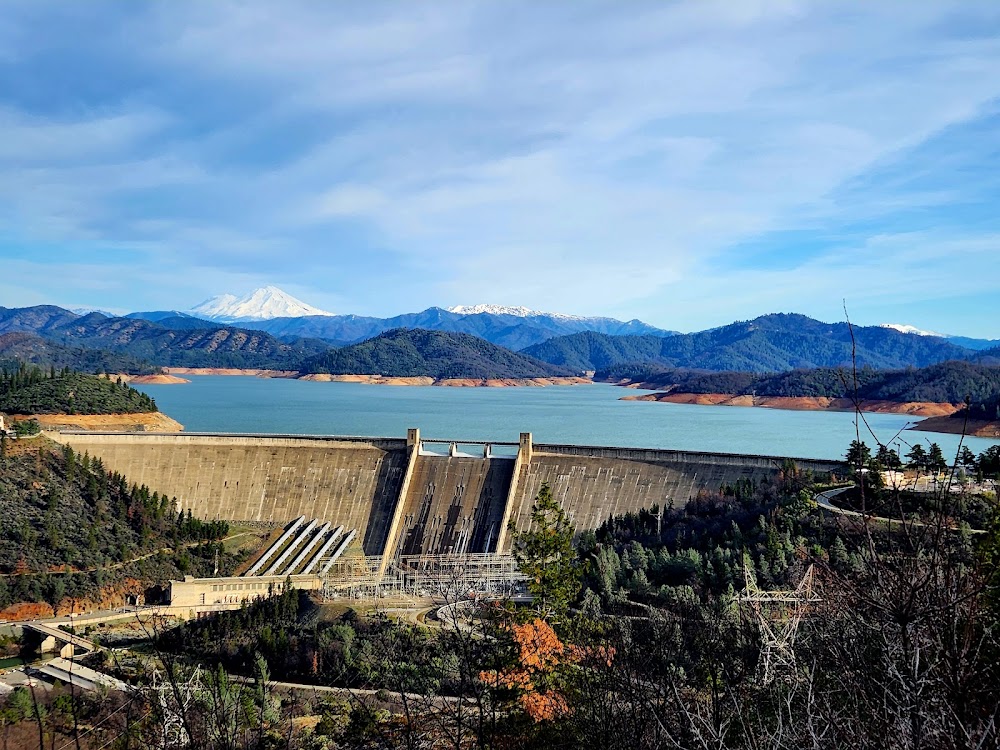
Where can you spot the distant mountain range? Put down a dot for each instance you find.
(151, 342)
(271, 310)
(771, 343)
(274, 311)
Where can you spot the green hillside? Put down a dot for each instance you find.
(771, 343)
(947, 382)
(63, 511)
(33, 391)
(32, 349)
(422, 353)
(199, 346)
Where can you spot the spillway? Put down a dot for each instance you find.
(454, 504)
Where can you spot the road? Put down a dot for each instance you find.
(123, 563)
(824, 501)
(391, 696)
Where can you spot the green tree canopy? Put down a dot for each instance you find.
(545, 554)
(917, 457)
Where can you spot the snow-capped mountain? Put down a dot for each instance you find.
(88, 310)
(967, 342)
(903, 328)
(261, 304)
(517, 312)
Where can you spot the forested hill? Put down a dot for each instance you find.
(988, 356)
(771, 343)
(215, 346)
(34, 391)
(946, 382)
(422, 353)
(63, 512)
(32, 349)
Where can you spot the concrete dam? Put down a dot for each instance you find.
(414, 496)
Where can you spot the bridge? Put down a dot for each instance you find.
(52, 636)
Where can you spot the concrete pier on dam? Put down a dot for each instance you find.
(413, 496)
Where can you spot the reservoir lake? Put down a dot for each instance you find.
(579, 415)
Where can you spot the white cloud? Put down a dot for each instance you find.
(34, 139)
(349, 200)
(557, 155)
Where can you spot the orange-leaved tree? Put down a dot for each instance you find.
(534, 679)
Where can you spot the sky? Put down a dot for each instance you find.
(685, 163)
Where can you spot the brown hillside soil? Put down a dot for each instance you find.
(145, 422)
(510, 382)
(802, 403)
(916, 408)
(148, 379)
(26, 611)
(975, 427)
(110, 597)
(230, 371)
(445, 382)
(366, 379)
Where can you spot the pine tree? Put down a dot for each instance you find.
(544, 553)
(917, 457)
(935, 459)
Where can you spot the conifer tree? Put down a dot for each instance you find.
(545, 554)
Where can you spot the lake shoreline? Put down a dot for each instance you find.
(921, 409)
(446, 382)
(957, 426)
(383, 380)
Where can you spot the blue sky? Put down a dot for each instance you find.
(686, 163)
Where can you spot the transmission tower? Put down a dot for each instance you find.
(778, 615)
(175, 697)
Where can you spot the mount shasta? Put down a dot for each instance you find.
(276, 312)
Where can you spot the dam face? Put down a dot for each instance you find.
(455, 504)
(404, 499)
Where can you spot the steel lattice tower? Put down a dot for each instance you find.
(778, 614)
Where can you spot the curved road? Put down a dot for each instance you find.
(823, 500)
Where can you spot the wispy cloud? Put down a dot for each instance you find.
(585, 157)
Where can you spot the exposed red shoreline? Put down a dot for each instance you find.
(803, 403)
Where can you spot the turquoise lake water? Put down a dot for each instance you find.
(580, 415)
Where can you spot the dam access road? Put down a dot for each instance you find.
(414, 496)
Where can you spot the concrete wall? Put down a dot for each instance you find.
(594, 483)
(194, 592)
(350, 482)
(450, 503)
(454, 504)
